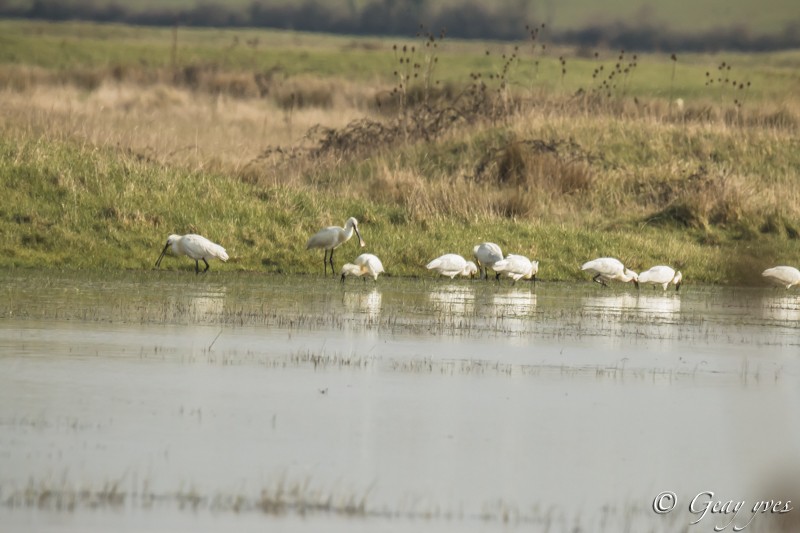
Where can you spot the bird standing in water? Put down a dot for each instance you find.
(364, 265)
(194, 246)
(331, 237)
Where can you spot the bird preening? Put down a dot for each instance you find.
(330, 238)
(194, 246)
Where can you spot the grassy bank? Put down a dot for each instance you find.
(558, 167)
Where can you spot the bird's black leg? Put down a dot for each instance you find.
(325, 262)
(333, 270)
(196, 267)
(207, 265)
(496, 276)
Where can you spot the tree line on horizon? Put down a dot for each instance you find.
(469, 20)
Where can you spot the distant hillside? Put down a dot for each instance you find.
(634, 24)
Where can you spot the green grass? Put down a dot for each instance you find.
(71, 46)
(767, 16)
(94, 178)
(682, 15)
(84, 208)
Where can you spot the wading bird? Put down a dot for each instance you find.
(517, 267)
(195, 246)
(486, 255)
(364, 265)
(662, 275)
(331, 237)
(608, 269)
(785, 276)
(452, 265)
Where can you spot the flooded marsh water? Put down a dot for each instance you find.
(165, 401)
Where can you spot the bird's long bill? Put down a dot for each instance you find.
(678, 286)
(163, 253)
(360, 240)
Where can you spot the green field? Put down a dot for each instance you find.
(110, 142)
(680, 16)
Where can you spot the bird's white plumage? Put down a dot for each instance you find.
(194, 246)
(785, 276)
(517, 267)
(661, 275)
(364, 265)
(486, 255)
(609, 269)
(452, 265)
(333, 236)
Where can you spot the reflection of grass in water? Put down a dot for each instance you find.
(302, 498)
(322, 360)
(617, 371)
(620, 370)
(305, 304)
(282, 497)
(566, 323)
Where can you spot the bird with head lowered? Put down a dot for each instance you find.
(195, 247)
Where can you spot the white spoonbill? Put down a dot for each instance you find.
(452, 265)
(331, 237)
(608, 269)
(517, 267)
(662, 275)
(486, 255)
(785, 276)
(364, 265)
(195, 246)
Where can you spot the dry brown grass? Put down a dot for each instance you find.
(166, 124)
(569, 158)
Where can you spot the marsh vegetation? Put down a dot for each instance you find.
(258, 138)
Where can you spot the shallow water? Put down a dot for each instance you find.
(166, 401)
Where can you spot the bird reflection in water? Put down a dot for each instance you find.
(366, 303)
(453, 300)
(657, 306)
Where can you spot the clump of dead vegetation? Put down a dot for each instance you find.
(706, 199)
(556, 166)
